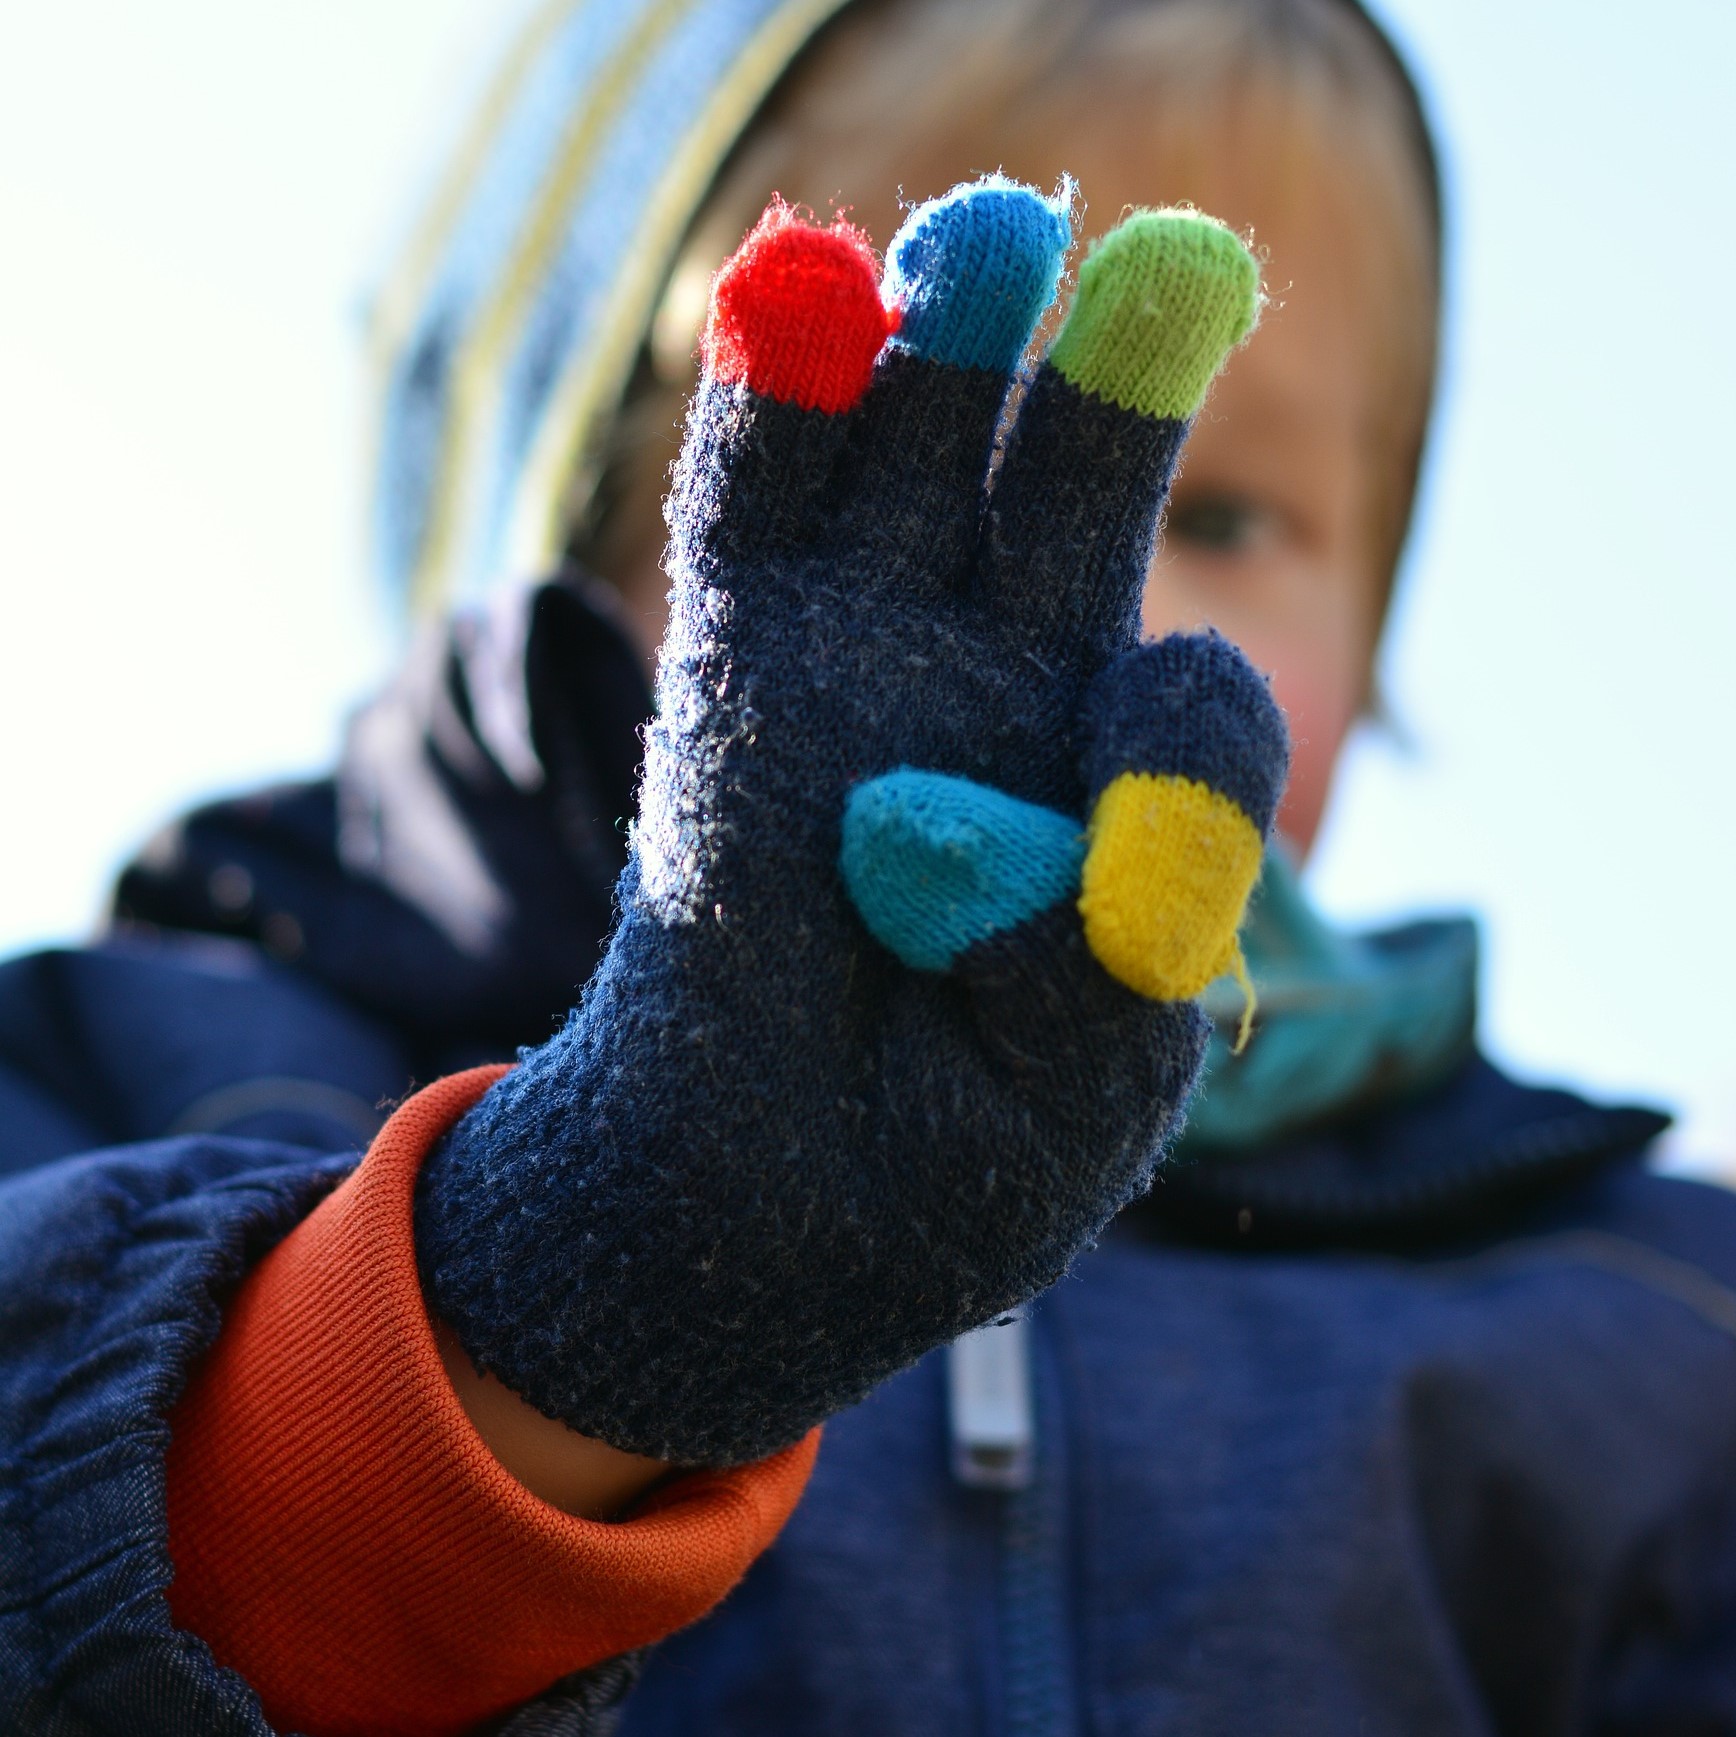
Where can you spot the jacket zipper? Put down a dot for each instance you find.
(1007, 1443)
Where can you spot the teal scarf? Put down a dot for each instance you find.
(1344, 1021)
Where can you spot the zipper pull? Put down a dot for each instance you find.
(988, 1390)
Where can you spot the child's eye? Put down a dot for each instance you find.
(1224, 524)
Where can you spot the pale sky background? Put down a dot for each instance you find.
(195, 198)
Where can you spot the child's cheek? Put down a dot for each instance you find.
(1320, 711)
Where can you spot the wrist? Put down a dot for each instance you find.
(575, 1473)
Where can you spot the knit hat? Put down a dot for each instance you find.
(509, 328)
(508, 331)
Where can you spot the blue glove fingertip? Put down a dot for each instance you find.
(973, 271)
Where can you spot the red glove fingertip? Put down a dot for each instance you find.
(796, 313)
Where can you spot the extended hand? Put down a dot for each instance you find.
(931, 855)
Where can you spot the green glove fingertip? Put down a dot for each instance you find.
(1163, 299)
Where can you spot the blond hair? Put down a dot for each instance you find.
(895, 87)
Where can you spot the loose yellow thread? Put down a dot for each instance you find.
(1250, 1001)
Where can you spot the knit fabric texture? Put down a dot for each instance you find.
(766, 1162)
(1182, 748)
(1160, 302)
(795, 313)
(1179, 769)
(935, 864)
(973, 272)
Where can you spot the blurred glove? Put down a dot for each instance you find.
(932, 855)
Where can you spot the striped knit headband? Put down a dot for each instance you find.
(506, 335)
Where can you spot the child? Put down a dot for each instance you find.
(1459, 1462)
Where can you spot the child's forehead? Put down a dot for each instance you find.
(1256, 152)
(1319, 224)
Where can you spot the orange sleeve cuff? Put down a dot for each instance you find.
(342, 1537)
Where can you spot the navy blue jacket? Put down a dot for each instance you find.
(1422, 1423)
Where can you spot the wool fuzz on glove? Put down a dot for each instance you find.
(931, 857)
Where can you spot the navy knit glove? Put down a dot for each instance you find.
(931, 855)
